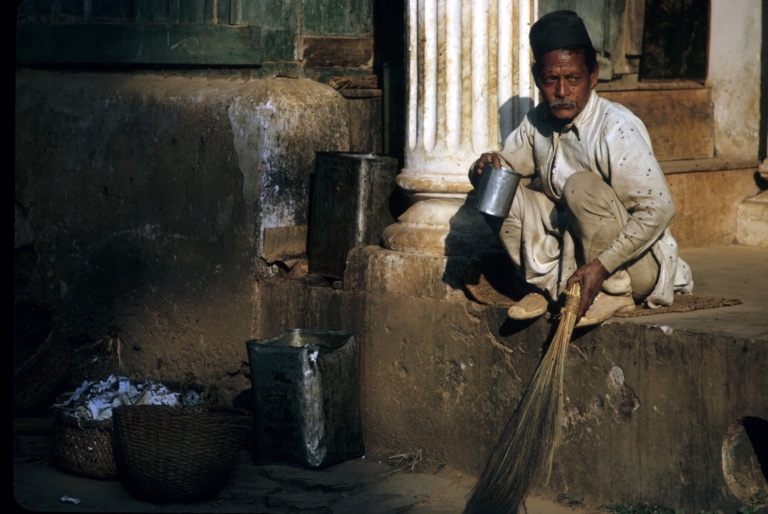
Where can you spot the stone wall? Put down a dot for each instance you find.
(142, 200)
(707, 205)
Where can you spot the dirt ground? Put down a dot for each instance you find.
(359, 486)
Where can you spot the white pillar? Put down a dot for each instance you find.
(469, 85)
(734, 76)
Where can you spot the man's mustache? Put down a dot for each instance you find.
(554, 104)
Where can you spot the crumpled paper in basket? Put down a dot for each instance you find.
(95, 400)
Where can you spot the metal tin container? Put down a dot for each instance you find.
(349, 207)
(496, 190)
(306, 398)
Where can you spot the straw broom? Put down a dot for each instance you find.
(524, 452)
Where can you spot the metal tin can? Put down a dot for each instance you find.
(306, 398)
(496, 190)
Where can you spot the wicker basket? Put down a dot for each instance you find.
(84, 447)
(177, 453)
(37, 379)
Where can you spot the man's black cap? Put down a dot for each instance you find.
(559, 29)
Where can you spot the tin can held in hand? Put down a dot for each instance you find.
(496, 190)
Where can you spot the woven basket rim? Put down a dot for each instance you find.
(190, 410)
(61, 415)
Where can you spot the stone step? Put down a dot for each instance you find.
(752, 221)
(657, 408)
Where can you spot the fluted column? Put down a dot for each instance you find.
(469, 85)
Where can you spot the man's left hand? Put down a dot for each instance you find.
(591, 277)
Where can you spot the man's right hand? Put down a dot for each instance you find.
(486, 158)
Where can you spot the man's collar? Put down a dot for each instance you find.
(579, 121)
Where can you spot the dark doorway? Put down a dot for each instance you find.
(675, 40)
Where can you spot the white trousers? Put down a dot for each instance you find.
(547, 244)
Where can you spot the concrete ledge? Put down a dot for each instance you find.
(649, 401)
(646, 412)
(752, 221)
(377, 270)
(696, 165)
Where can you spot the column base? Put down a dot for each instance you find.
(441, 226)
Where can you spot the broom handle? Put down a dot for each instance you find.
(564, 331)
(572, 299)
(526, 448)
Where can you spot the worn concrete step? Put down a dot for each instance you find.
(752, 221)
(657, 408)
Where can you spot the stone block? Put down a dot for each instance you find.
(337, 17)
(707, 204)
(139, 43)
(752, 221)
(337, 52)
(679, 121)
(279, 44)
(281, 243)
(375, 269)
(349, 207)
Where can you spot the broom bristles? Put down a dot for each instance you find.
(525, 449)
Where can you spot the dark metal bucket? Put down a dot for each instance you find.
(306, 398)
(496, 190)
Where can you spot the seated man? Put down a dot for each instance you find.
(598, 207)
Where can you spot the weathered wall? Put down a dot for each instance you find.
(431, 370)
(141, 201)
(707, 205)
(646, 410)
(734, 74)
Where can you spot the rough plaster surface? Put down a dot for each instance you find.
(752, 221)
(647, 409)
(734, 74)
(373, 269)
(276, 137)
(141, 199)
(707, 205)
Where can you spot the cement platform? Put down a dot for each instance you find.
(650, 400)
(734, 271)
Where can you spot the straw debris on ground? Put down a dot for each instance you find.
(405, 461)
(567, 499)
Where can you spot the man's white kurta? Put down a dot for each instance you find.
(607, 139)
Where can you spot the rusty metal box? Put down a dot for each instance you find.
(349, 207)
(306, 398)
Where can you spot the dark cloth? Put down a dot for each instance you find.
(559, 29)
